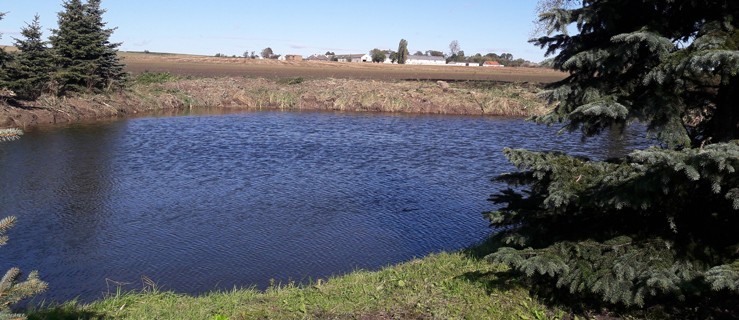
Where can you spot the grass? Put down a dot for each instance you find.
(148, 78)
(439, 286)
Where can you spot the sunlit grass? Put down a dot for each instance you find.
(440, 286)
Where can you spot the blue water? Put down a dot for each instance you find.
(202, 203)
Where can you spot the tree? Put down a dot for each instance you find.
(109, 67)
(30, 72)
(378, 56)
(434, 53)
(402, 51)
(85, 58)
(459, 57)
(267, 53)
(393, 56)
(418, 53)
(329, 53)
(660, 224)
(4, 59)
(454, 48)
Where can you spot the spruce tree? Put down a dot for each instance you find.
(661, 223)
(85, 58)
(70, 46)
(31, 69)
(4, 59)
(109, 67)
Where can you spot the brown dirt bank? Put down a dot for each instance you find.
(473, 98)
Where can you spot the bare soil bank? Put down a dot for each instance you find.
(423, 97)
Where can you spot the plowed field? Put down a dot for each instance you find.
(201, 66)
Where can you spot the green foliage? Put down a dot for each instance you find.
(378, 56)
(673, 66)
(4, 59)
(658, 222)
(402, 51)
(658, 226)
(30, 71)
(154, 77)
(85, 57)
(393, 57)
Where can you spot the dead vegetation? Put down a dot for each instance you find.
(500, 99)
(176, 94)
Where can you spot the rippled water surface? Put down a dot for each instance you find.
(201, 203)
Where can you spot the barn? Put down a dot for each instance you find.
(425, 60)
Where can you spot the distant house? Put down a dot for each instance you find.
(425, 60)
(293, 57)
(353, 58)
(492, 64)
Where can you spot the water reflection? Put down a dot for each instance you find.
(209, 202)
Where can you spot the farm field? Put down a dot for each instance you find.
(203, 66)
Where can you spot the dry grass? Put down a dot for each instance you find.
(9, 48)
(349, 95)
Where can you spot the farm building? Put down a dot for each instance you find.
(353, 58)
(293, 57)
(492, 64)
(425, 60)
(464, 64)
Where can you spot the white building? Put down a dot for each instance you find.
(464, 64)
(426, 60)
(353, 58)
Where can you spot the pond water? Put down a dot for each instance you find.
(202, 203)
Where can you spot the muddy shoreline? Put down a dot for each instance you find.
(232, 93)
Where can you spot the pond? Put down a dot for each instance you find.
(213, 202)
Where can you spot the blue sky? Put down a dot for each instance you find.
(301, 27)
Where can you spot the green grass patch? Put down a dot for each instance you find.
(444, 286)
(154, 77)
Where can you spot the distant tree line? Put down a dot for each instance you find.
(456, 54)
(78, 56)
